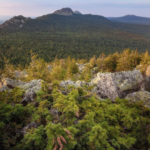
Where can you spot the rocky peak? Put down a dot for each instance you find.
(64, 11)
(17, 21)
(77, 12)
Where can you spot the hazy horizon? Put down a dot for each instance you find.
(107, 8)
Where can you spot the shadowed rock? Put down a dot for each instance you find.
(29, 98)
(139, 96)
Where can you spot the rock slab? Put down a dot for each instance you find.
(119, 84)
(143, 96)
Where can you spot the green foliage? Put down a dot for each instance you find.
(83, 121)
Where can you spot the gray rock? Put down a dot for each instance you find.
(29, 126)
(147, 83)
(4, 88)
(81, 67)
(20, 74)
(10, 83)
(66, 83)
(34, 85)
(70, 82)
(54, 112)
(29, 98)
(49, 67)
(119, 84)
(143, 96)
(80, 83)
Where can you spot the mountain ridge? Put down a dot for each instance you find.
(131, 19)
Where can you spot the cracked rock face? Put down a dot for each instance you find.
(113, 85)
(143, 96)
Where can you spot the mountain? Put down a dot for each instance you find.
(131, 19)
(64, 11)
(15, 22)
(77, 12)
(78, 36)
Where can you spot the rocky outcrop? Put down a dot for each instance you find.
(10, 83)
(15, 22)
(20, 74)
(4, 88)
(64, 11)
(29, 98)
(66, 83)
(49, 67)
(139, 96)
(29, 126)
(78, 83)
(77, 12)
(119, 84)
(32, 86)
(81, 67)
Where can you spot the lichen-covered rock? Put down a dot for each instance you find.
(29, 126)
(80, 83)
(20, 74)
(32, 86)
(148, 71)
(147, 83)
(10, 83)
(4, 88)
(94, 81)
(81, 67)
(119, 84)
(49, 67)
(29, 97)
(66, 83)
(143, 96)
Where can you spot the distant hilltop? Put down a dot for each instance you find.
(17, 21)
(66, 12)
(131, 19)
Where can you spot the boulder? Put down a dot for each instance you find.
(32, 86)
(4, 88)
(20, 74)
(143, 96)
(148, 71)
(49, 67)
(29, 98)
(119, 84)
(80, 83)
(66, 83)
(10, 83)
(29, 126)
(54, 112)
(147, 83)
(70, 82)
(81, 67)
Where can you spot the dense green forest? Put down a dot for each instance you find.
(78, 36)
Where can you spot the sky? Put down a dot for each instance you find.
(107, 8)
